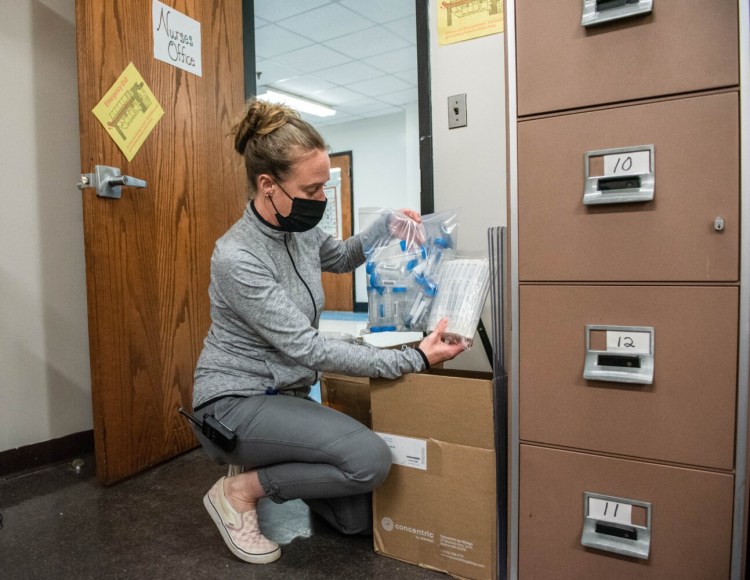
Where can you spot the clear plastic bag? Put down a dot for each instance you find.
(403, 259)
(463, 284)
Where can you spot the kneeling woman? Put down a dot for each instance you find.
(263, 350)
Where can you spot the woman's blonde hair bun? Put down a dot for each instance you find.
(260, 118)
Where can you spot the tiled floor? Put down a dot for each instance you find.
(59, 524)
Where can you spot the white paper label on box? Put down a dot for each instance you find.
(628, 341)
(631, 163)
(610, 511)
(177, 38)
(407, 451)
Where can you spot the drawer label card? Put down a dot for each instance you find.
(628, 341)
(610, 511)
(406, 451)
(630, 163)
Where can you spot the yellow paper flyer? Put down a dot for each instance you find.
(129, 111)
(466, 19)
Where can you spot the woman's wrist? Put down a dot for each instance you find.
(424, 357)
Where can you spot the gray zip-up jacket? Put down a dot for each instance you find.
(266, 298)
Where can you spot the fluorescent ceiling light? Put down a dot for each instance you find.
(298, 103)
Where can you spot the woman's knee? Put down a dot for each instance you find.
(370, 460)
(382, 463)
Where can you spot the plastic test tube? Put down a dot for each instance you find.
(373, 308)
(398, 294)
(386, 309)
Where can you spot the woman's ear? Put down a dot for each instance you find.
(265, 183)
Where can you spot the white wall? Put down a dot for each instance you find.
(469, 162)
(385, 166)
(45, 390)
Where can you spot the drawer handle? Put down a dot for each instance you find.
(623, 175)
(606, 529)
(616, 530)
(597, 12)
(617, 360)
(628, 358)
(608, 184)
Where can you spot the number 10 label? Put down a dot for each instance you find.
(631, 163)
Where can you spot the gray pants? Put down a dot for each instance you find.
(303, 450)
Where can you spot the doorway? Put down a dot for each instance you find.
(370, 62)
(339, 288)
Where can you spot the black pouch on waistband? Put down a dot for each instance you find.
(214, 430)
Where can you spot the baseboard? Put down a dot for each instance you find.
(46, 453)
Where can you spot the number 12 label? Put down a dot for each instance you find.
(630, 342)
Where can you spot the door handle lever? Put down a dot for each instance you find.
(127, 181)
(109, 181)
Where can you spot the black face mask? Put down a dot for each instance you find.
(305, 214)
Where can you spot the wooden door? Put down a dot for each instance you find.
(147, 254)
(339, 288)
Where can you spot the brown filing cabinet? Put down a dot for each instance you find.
(691, 516)
(681, 46)
(629, 284)
(694, 165)
(680, 416)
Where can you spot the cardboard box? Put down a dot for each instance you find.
(349, 395)
(438, 507)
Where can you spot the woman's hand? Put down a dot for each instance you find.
(406, 224)
(435, 349)
(410, 213)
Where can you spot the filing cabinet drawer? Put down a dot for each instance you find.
(686, 415)
(681, 46)
(691, 148)
(691, 517)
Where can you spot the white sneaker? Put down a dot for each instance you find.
(239, 530)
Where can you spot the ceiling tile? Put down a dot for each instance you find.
(379, 86)
(401, 97)
(336, 96)
(365, 106)
(273, 10)
(357, 55)
(312, 58)
(375, 40)
(381, 10)
(271, 72)
(271, 41)
(351, 72)
(327, 22)
(386, 110)
(394, 61)
(406, 28)
(337, 119)
(303, 85)
(410, 76)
